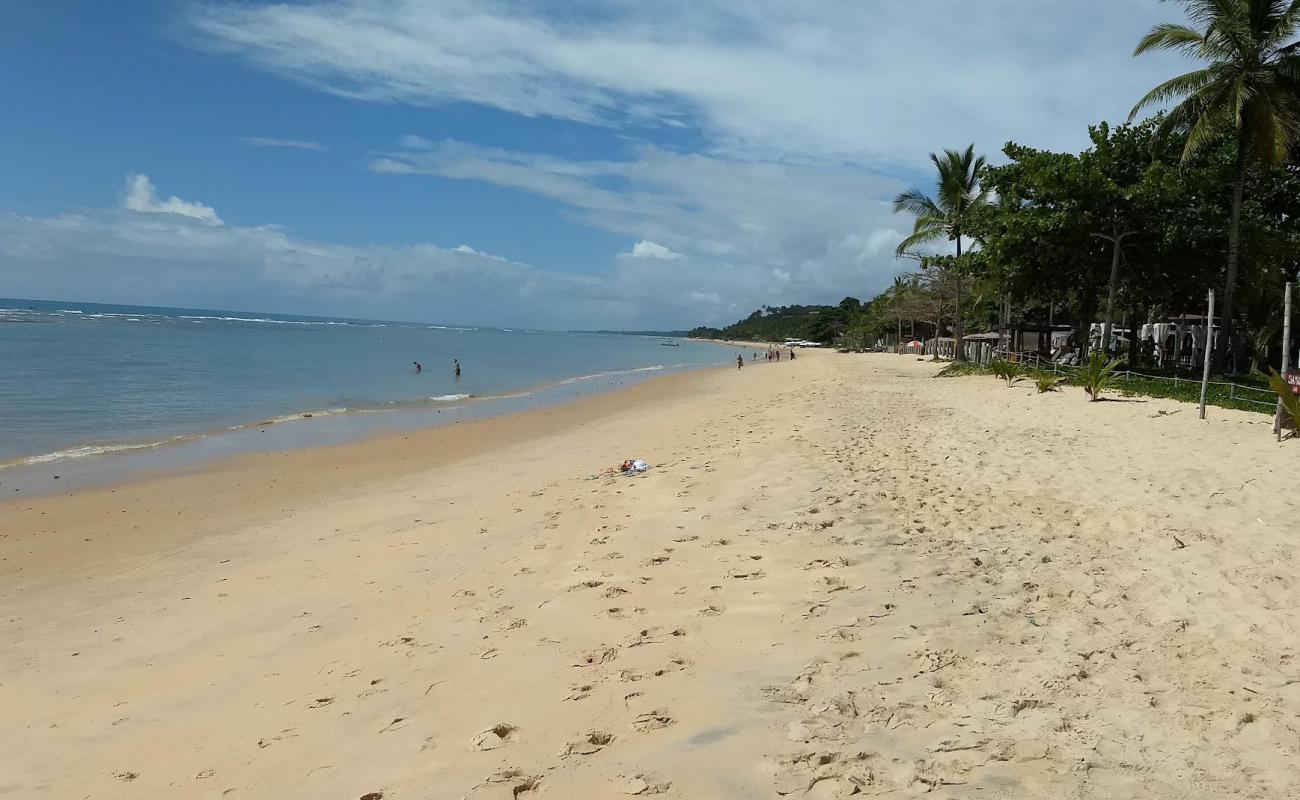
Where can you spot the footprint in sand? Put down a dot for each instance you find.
(494, 737)
(838, 562)
(580, 691)
(823, 775)
(712, 611)
(641, 785)
(652, 636)
(651, 720)
(588, 745)
(517, 782)
(591, 658)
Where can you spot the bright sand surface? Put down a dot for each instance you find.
(840, 576)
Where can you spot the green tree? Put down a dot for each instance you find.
(958, 195)
(1249, 87)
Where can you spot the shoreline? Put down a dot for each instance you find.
(126, 462)
(250, 479)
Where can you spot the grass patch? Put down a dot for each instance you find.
(958, 369)
(1186, 390)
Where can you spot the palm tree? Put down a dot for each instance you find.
(958, 194)
(1250, 88)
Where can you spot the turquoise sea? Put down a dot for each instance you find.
(81, 380)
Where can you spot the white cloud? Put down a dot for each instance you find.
(648, 249)
(143, 197)
(779, 233)
(293, 144)
(876, 83)
(135, 254)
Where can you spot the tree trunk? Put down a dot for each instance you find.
(958, 352)
(1087, 308)
(1110, 298)
(1134, 348)
(1234, 247)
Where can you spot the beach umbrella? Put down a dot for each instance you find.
(914, 343)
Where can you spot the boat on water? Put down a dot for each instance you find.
(671, 344)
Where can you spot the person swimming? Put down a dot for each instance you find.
(418, 367)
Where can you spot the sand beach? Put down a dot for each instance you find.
(841, 576)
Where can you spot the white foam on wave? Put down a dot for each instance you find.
(610, 374)
(94, 450)
(266, 320)
(450, 398)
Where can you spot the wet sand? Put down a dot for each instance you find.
(840, 576)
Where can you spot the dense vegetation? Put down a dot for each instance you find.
(1134, 229)
(1140, 224)
(775, 324)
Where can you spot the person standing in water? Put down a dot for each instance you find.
(418, 367)
(740, 361)
(455, 362)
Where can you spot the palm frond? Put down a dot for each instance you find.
(920, 237)
(916, 202)
(1169, 36)
(1175, 87)
(1284, 27)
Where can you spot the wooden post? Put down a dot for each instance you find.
(1209, 348)
(1286, 355)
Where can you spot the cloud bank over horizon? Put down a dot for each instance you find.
(176, 252)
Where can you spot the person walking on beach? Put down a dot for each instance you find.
(740, 361)
(418, 367)
(792, 354)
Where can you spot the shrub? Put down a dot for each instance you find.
(1097, 375)
(1007, 371)
(959, 369)
(1049, 383)
(1290, 403)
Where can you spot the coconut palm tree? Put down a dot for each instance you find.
(946, 216)
(1250, 87)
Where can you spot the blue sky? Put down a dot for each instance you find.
(547, 164)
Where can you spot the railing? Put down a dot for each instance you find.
(1236, 392)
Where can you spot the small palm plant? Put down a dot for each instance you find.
(1049, 383)
(1290, 402)
(1007, 371)
(1097, 375)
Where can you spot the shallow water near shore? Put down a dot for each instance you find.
(93, 393)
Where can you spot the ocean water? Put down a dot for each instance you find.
(80, 380)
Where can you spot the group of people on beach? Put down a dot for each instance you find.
(455, 366)
(773, 354)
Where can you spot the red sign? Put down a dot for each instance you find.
(1293, 378)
